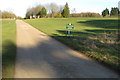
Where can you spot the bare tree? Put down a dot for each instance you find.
(47, 6)
(54, 9)
(61, 7)
(34, 11)
(37, 10)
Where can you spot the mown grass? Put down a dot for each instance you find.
(95, 37)
(8, 48)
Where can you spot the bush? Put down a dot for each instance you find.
(59, 15)
(85, 15)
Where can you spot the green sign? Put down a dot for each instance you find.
(69, 26)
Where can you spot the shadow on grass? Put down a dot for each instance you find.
(102, 44)
(51, 59)
(8, 58)
(107, 24)
(103, 52)
(101, 31)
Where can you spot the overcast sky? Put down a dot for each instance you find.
(19, 7)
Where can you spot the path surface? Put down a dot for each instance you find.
(40, 56)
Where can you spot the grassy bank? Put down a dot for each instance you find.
(0, 48)
(95, 37)
(8, 48)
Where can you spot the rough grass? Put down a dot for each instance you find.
(95, 37)
(8, 48)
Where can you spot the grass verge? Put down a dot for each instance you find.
(8, 48)
(95, 37)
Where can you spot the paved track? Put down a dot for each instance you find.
(40, 56)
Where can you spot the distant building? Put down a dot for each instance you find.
(30, 17)
(38, 16)
(34, 16)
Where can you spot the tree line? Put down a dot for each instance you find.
(114, 12)
(105, 13)
(49, 10)
(54, 11)
(7, 14)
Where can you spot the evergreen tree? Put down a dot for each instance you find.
(66, 12)
(105, 12)
(114, 12)
(43, 12)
